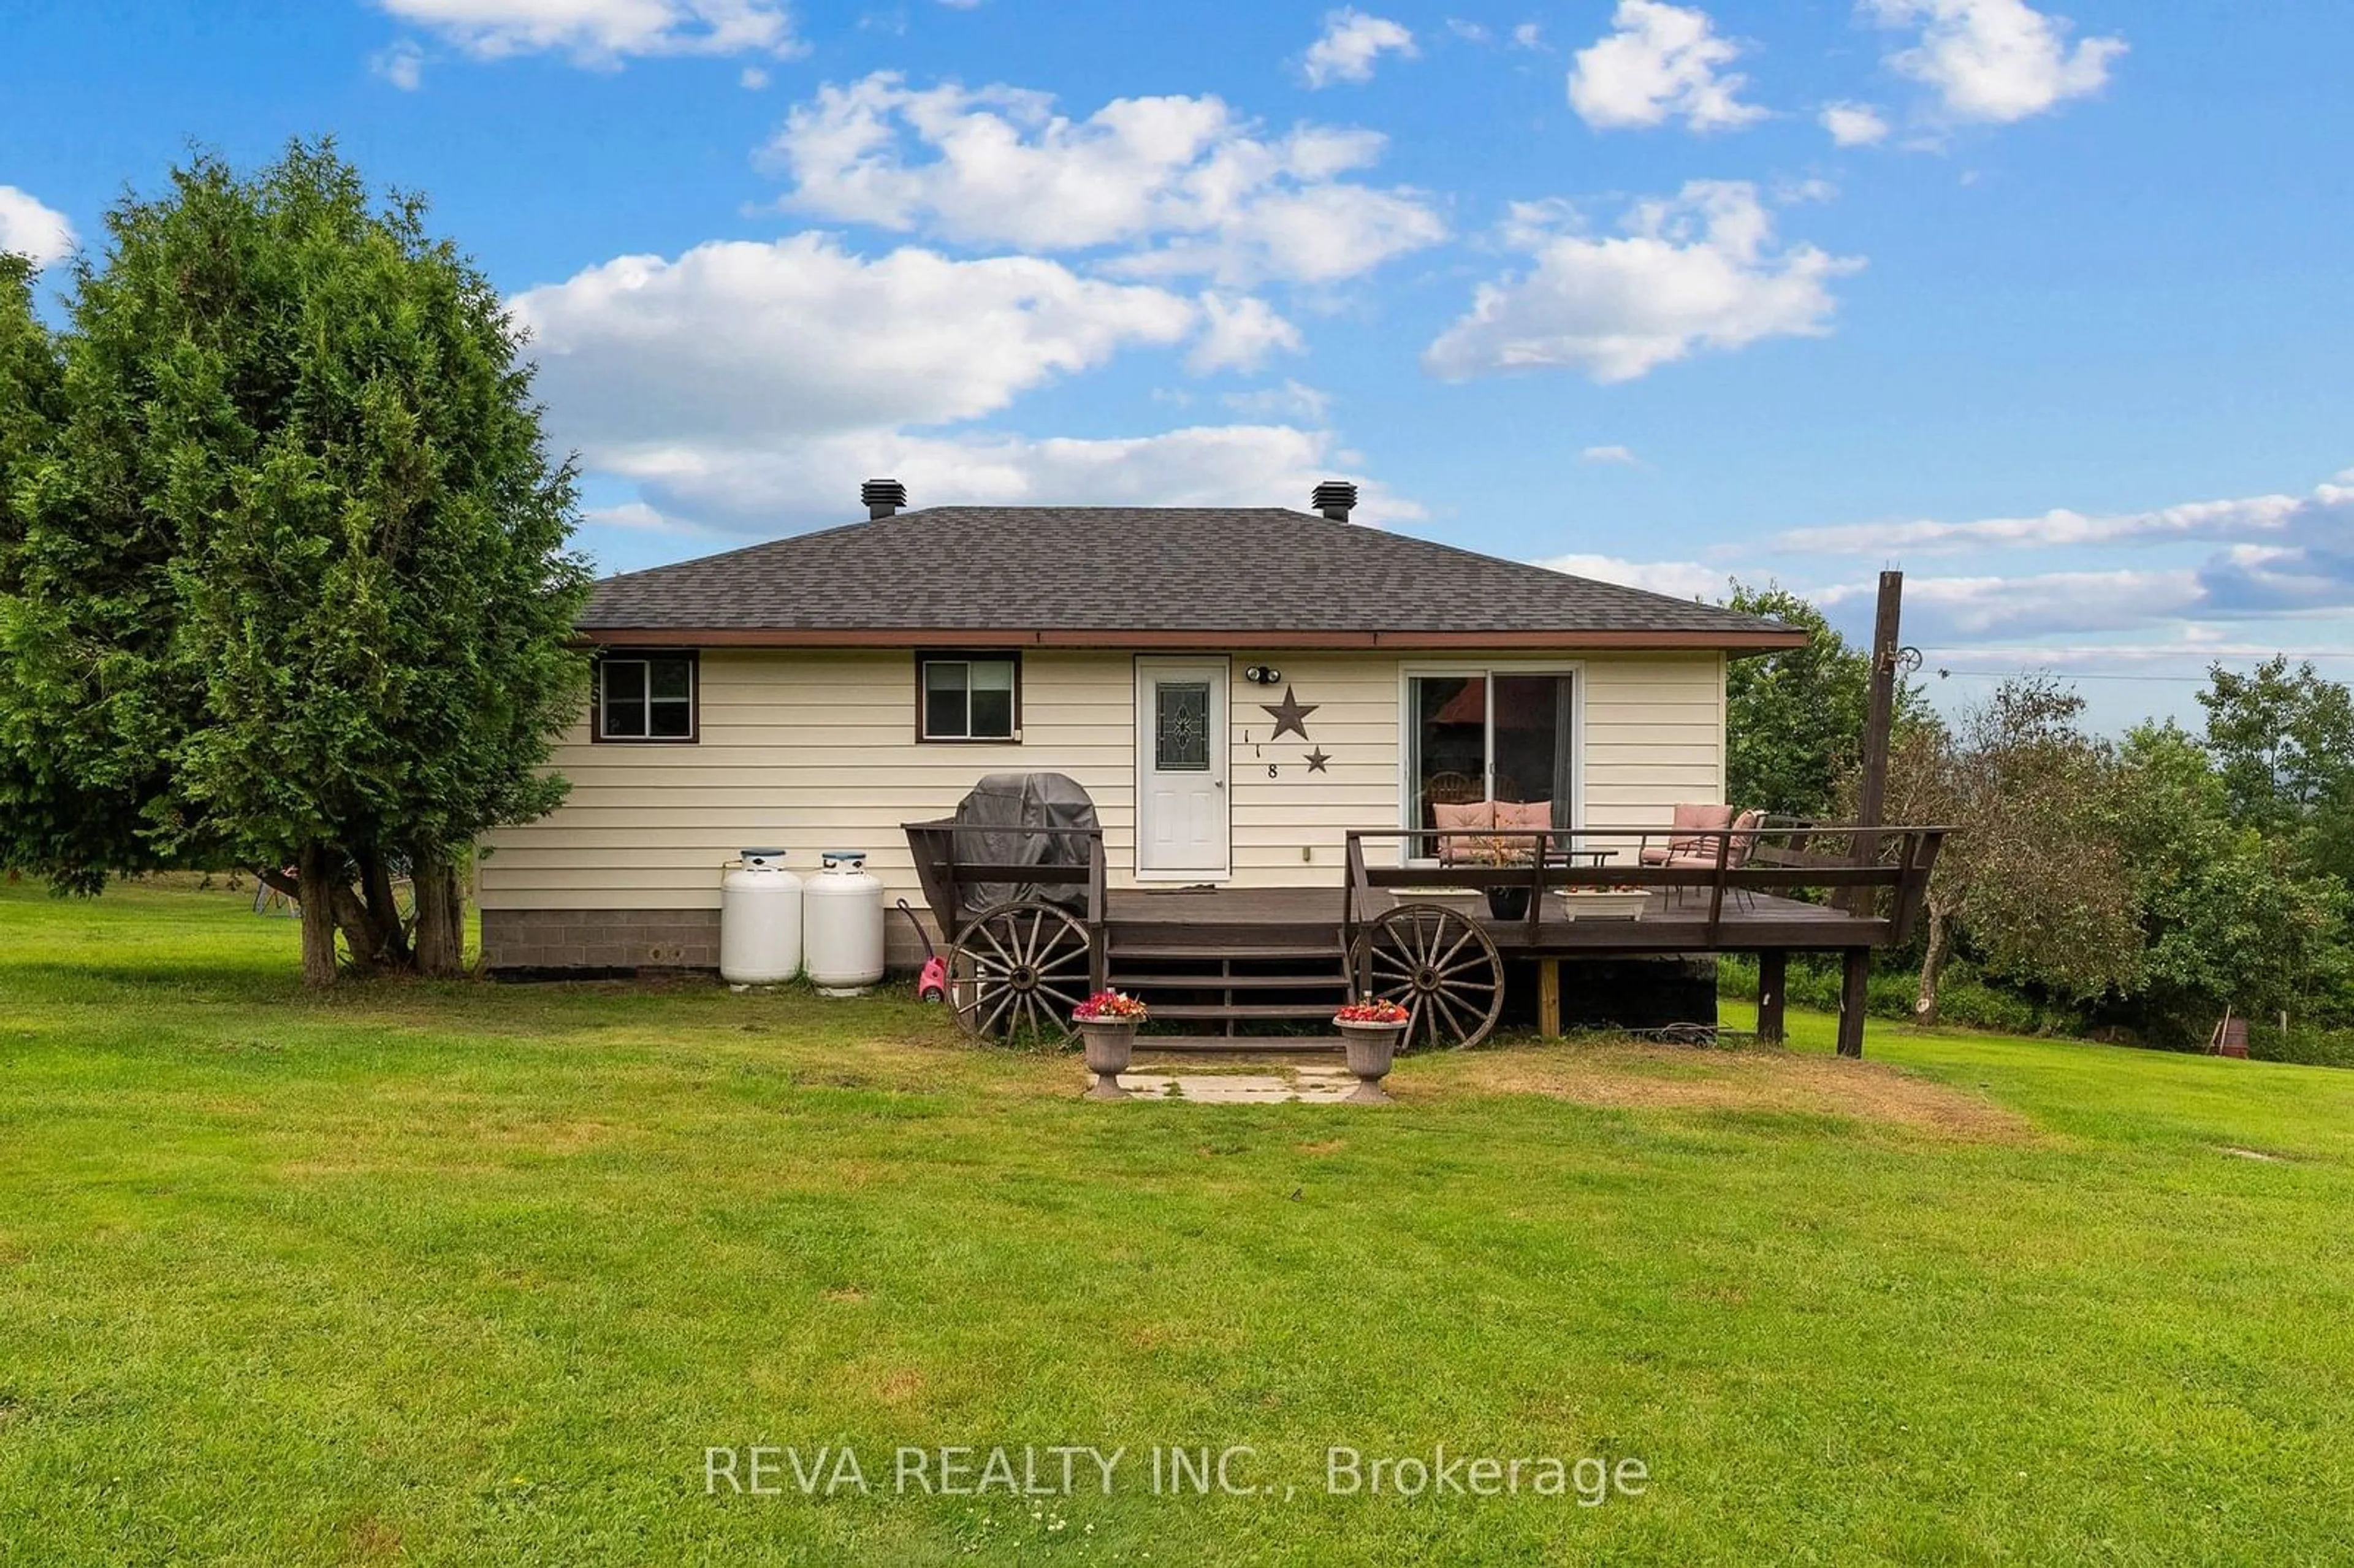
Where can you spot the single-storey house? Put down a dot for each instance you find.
(1235, 687)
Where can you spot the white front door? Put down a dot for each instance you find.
(1180, 768)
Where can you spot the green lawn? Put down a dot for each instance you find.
(475, 1274)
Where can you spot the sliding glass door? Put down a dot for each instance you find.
(1475, 735)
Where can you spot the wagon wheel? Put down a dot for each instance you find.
(1440, 966)
(1018, 968)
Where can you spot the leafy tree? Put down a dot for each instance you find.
(2284, 743)
(291, 581)
(1793, 719)
(2032, 879)
(65, 802)
(2229, 918)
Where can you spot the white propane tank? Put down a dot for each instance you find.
(760, 921)
(845, 925)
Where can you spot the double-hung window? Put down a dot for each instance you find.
(969, 696)
(646, 697)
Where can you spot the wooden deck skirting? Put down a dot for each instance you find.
(1719, 895)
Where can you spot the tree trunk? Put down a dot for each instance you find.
(1933, 962)
(388, 937)
(314, 889)
(441, 916)
(351, 916)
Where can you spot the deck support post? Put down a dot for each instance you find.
(1855, 983)
(1773, 976)
(1549, 998)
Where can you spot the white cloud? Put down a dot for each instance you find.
(2276, 556)
(1350, 43)
(752, 79)
(1614, 454)
(1239, 332)
(1974, 607)
(1995, 60)
(604, 32)
(29, 228)
(638, 517)
(745, 386)
(1180, 184)
(1528, 36)
(1663, 62)
(1678, 580)
(2257, 517)
(1853, 124)
(1700, 270)
(799, 337)
(1292, 400)
(2280, 572)
(751, 488)
(1469, 32)
(403, 65)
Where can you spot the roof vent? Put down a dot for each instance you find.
(883, 497)
(1336, 498)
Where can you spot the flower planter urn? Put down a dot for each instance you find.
(1371, 1048)
(1509, 903)
(1108, 1045)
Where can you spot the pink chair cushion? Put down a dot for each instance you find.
(1694, 827)
(1745, 837)
(1524, 814)
(1456, 846)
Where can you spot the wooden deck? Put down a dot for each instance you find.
(1674, 920)
(1046, 930)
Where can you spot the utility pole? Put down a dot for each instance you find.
(1871, 800)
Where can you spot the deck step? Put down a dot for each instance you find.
(1223, 941)
(1241, 1044)
(1129, 979)
(1212, 1011)
(1161, 952)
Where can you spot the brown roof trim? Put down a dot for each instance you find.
(1742, 641)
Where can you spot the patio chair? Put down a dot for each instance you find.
(1694, 841)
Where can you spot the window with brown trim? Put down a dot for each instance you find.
(969, 696)
(647, 697)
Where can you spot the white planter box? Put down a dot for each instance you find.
(1599, 904)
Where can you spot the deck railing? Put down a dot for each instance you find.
(1854, 862)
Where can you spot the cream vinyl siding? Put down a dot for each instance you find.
(812, 750)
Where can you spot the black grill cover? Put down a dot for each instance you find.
(1012, 807)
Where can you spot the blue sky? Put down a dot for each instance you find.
(2047, 304)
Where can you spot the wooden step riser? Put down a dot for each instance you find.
(1241, 1044)
(1226, 941)
(1150, 985)
(1241, 1011)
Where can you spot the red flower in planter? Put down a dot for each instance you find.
(1371, 1011)
(1110, 1007)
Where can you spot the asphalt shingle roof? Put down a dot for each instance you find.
(1077, 568)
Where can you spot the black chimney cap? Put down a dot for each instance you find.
(1336, 498)
(883, 497)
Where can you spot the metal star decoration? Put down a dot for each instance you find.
(1317, 760)
(1290, 715)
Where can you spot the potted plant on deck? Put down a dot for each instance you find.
(1509, 901)
(1108, 1022)
(1370, 1031)
(1615, 901)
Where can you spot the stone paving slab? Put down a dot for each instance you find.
(1310, 1085)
